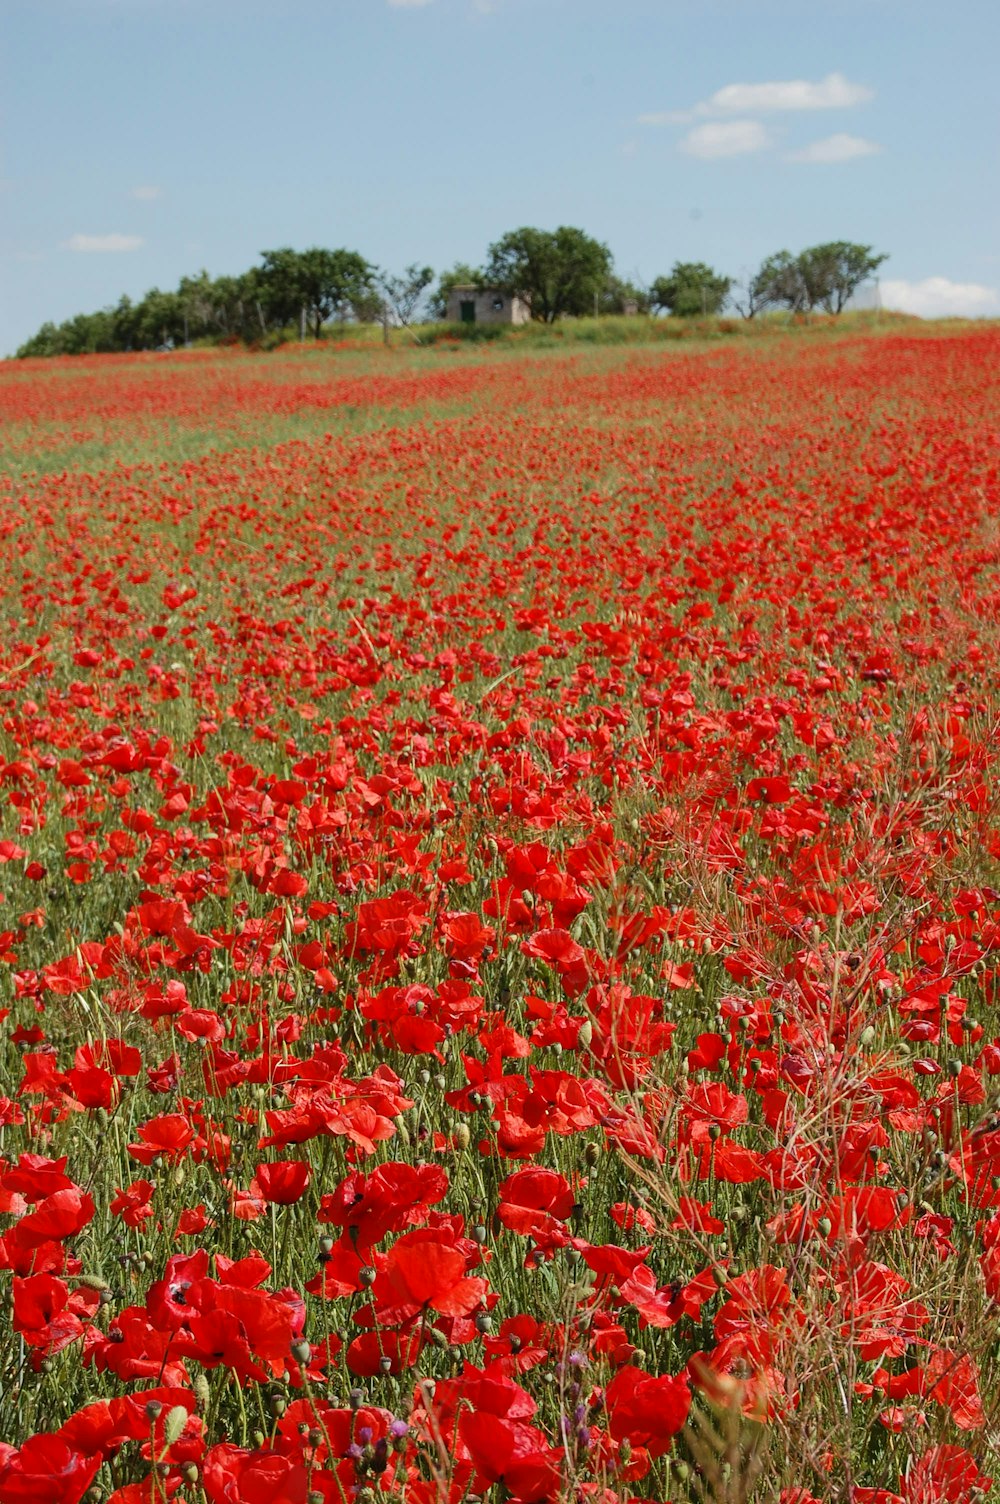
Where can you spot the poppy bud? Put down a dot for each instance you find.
(591, 1154)
(461, 1135)
(385, 1366)
(173, 1426)
(277, 1404)
(153, 1409)
(586, 1034)
(190, 1474)
(366, 1277)
(824, 1227)
(866, 1037)
(484, 1322)
(302, 1351)
(200, 1389)
(356, 1399)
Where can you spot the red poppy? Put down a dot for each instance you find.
(645, 1409)
(45, 1470)
(282, 1180)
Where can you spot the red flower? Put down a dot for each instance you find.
(45, 1471)
(512, 1453)
(424, 1269)
(647, 1410)
(283, 1180)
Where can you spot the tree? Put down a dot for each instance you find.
(778, 283)
(823, 276)
(691, 289)
(556, 272)
(321, 282)
(461, 275)
(618, 295)
(832, 273)
(403, 293)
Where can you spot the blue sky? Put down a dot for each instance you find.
(143, 139)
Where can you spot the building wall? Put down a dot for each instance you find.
(490, 307)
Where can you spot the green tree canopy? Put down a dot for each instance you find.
(833, 272)
(556, 272)
(618, 295)
(322, 282)
(691, 289)
(822, 276)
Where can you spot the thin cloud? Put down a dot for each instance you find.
(834, 92)
(104, 243)
(147, 193)
(939, 297)
(726, 138)
(838, 148)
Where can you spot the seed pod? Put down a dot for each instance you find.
(173, 1426)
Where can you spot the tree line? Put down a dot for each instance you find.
(558, 273)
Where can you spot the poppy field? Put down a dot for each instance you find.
(499, 925)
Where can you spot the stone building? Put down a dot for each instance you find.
(468, 304)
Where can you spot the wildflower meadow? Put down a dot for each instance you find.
(500, 872)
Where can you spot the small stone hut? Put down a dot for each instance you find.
(469, 304)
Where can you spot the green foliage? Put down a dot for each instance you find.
(619, 296)
(834, 271)
(556, 272)
(323, 283)
(691, 290)
(253, 307)
(822, 276)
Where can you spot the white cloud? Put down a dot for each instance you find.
(104, 242)
(838, 148)
(834, 92)
(939, 297)
(726, 138)
(147, 193)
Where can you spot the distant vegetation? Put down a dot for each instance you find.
(562, 273)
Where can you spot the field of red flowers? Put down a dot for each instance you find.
(500, 872)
